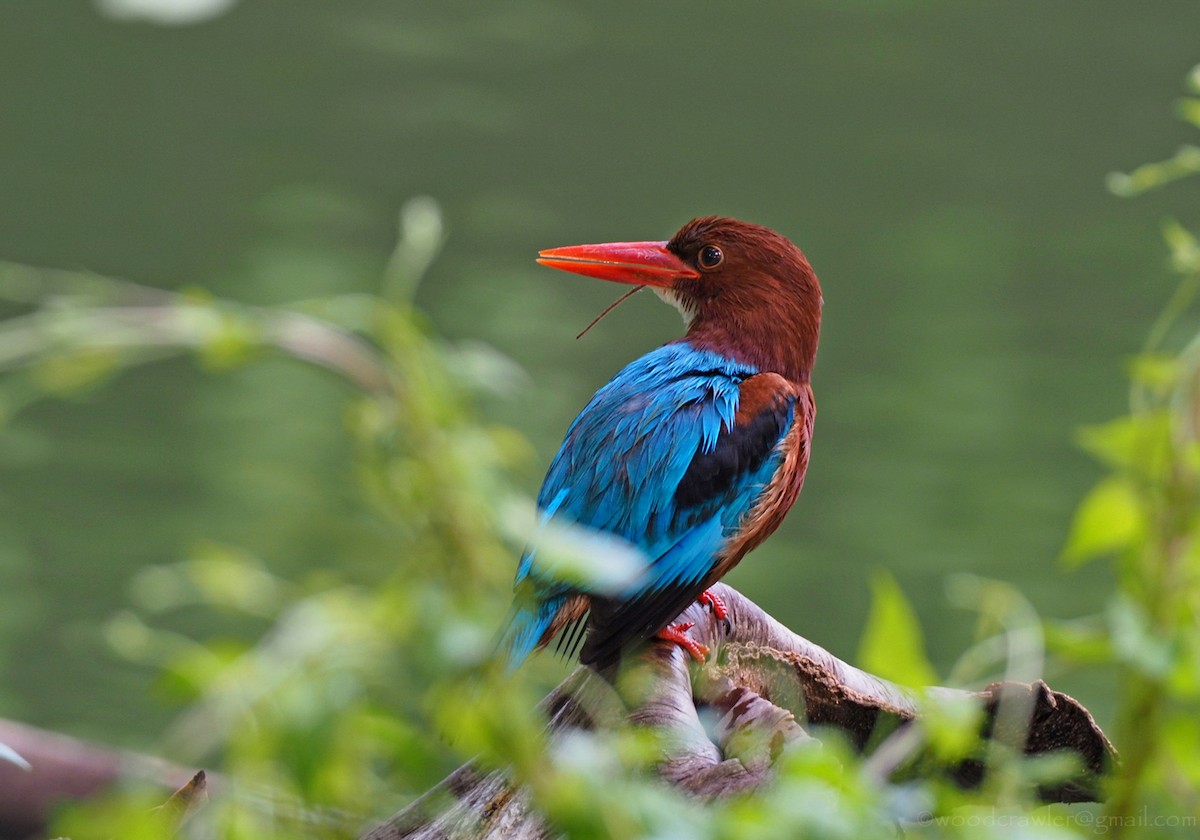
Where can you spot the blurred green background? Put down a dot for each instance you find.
(942, 164)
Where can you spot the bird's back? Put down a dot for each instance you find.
(657, 457)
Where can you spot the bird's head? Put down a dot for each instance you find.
(742, 289)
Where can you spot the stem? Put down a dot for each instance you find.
(83, 311)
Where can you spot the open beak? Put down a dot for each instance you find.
(636, 263)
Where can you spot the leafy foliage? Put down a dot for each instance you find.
(892, 646)
(1143, 519)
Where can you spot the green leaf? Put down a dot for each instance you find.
(225, 576)
(892, 645)
(1185, 252)
(1083, 641)
(1108, 519)
(1189, 109)
(1156, 371)
(593, 560)
(952, 725)
(1136, 641)
(76, 370)
(1140, 444)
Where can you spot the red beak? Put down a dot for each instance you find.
(636, 263)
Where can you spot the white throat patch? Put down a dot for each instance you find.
(668, 296)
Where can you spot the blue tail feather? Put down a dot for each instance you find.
(525, 629)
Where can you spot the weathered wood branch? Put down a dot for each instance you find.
(62, 768)
(769, 687)
(766, 686)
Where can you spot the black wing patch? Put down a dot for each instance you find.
(739, 450)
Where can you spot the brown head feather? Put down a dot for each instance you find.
(760, 304)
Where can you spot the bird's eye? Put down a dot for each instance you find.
(711, 256)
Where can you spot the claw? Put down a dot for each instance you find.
(677, 633)
(720, 612)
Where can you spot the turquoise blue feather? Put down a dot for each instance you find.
(619, 470)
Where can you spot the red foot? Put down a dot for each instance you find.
(720, 612)
(677, 633)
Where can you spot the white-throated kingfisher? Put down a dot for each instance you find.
(695, 451)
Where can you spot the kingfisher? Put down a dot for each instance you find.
(692, 453)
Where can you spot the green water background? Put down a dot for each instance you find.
(941, 163)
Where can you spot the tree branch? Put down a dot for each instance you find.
(63, 769)
(768, 686)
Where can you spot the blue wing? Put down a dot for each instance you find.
(662, 457)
